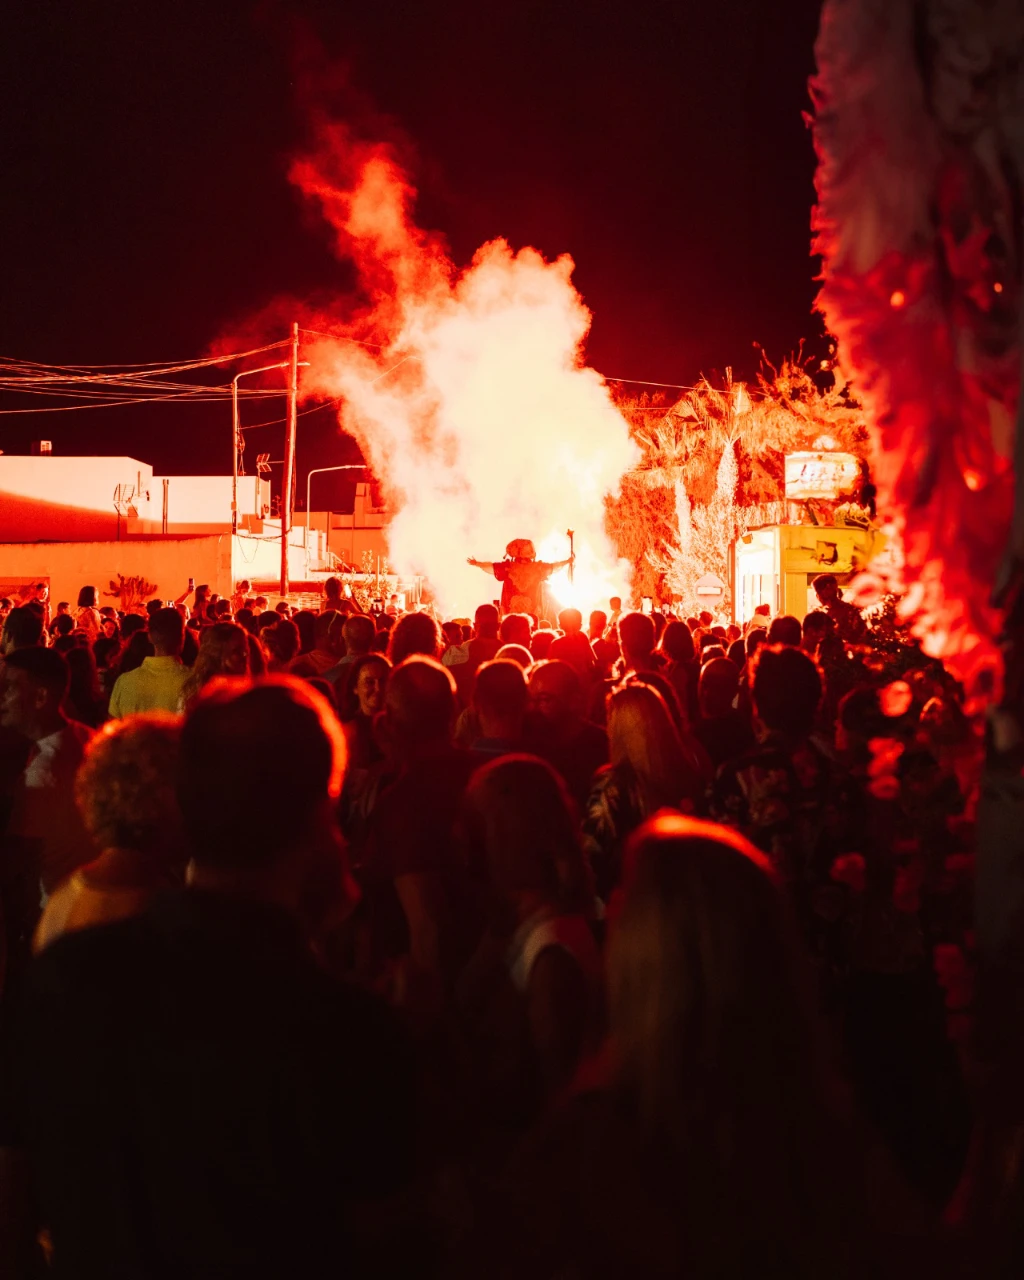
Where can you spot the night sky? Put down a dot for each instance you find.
(145, 209)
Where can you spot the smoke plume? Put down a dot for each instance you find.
(466, 389)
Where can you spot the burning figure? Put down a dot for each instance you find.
(522, 576)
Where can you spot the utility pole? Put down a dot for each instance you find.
(288, 481)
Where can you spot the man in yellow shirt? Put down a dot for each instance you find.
(156, 685)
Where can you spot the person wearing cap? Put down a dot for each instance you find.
(522, 576)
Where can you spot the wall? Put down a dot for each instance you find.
(259, 558)
(352, 534)
(167, 563)
(55, 497)
(206, 499)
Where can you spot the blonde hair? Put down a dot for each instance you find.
(642, 736)
(214, 645)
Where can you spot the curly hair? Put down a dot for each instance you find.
(125, 789)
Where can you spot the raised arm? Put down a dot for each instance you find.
(486, 565)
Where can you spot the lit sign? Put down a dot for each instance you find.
(820, 475)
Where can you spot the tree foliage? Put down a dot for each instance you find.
(713, 466)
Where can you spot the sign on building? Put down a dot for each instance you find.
(820, 475)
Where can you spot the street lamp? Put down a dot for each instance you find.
(236, 429)
(348, 466)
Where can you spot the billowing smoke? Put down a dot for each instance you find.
(474, 406)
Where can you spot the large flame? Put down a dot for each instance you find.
(477, 411)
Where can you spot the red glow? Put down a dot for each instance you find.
(477, 410)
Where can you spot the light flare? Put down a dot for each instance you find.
(478, 413)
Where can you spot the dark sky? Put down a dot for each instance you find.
(145, 209)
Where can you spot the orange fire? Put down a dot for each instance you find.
(475, 407)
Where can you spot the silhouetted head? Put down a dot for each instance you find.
(419, 703)
(636, 639)
(785, 630)
(414, 633)
(677, 642)
(719, 682)
(500, 699)
(485, 622)
(571, 621)
(243, 746)
(786, 689)
(515, 629)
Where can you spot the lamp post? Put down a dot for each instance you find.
(348, 466)
(235, 431)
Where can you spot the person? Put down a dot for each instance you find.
(723, 731)
(615, 608)
(241, 1102)
(484, 644)
(529, 1001)
(777, 793)
(62, 627)
(361, 702)
(500, 700)
(87, 616)
(85, 701)
(45, 826)
(246, 618)
(257, 657)
(282, 643)
(414, 633)
(156, 684)
(707, 1134)
(306, 622)
(603, 642)
(240, 595)
(786, 630)
(573, 647)
(393, 609)
(332, 596)
(516, 653)
(259, 605)
(680, 669)
(817, 627)
(323, 656)
(649, 770)
(557, 731)
(107, 645)
(38, 594)
(22, 629)
(223, 651)
(201, 603)
(134, 651)
(357, 633)
(63, 611)
(522, 576)
(125, 791)
(414, 913)
(515, 628)
(849, 622)
(540, 644)
(636, 640)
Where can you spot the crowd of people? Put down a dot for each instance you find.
(359, 945)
